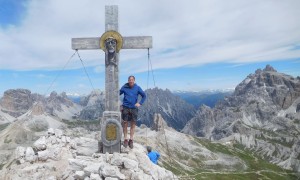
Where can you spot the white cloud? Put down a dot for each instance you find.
(184, 33)
(82, 86)
(99, 69)
(41, 76)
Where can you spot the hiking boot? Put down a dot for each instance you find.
(130, 143)
(125, 143)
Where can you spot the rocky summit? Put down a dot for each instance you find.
(59, 156)
(261, 115)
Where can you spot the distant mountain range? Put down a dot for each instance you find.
(208, 98)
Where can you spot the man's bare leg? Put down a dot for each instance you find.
(132, 128)
(125, 124)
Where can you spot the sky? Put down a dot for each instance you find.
(197, 44)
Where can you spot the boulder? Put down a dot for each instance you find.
(92, 169)
(108, 170)
(116, 160)
(51, 131)
(86, 146)
(43, 155)
(30, 155)
(79, 175)
(40, 144)
(140, 175)
(95, 177)
(20, 152)
(58, 133)
(110, 178)
(130, 164)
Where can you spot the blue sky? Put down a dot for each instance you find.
(11, 12)
(196, 46)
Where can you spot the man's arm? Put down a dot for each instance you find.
(158, 155)
(142, 93)
(121, 91)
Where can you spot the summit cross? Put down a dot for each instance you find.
(111, 42)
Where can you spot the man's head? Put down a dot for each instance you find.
(131, 81)
(149, 149)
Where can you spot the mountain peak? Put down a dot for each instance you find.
(16, 102)
(269, 68)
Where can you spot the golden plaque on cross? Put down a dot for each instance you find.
(111, 132)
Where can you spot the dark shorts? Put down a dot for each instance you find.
(129, 114)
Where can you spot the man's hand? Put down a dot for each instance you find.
(137, 105)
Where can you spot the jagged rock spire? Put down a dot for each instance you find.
(269, 68)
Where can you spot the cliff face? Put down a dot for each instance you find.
(261, 114)
(175, 111)
(16, 102)
(93, 106)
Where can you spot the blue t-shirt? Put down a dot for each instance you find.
(153, 156)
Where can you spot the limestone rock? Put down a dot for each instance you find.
(30, 155)
(43, 155)
(20, 152)
(92, 169)
(108, 170)
(116, 160)
(95, 177)
(110, 178)
(51, 178)
(140, 175)
(86, 146)
(130, 164)
(40, 144)
(78, 164)
(58, 133)
(79, 175)
(51, 131)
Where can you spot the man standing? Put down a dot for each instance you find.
(130, 106)
(153, 155)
